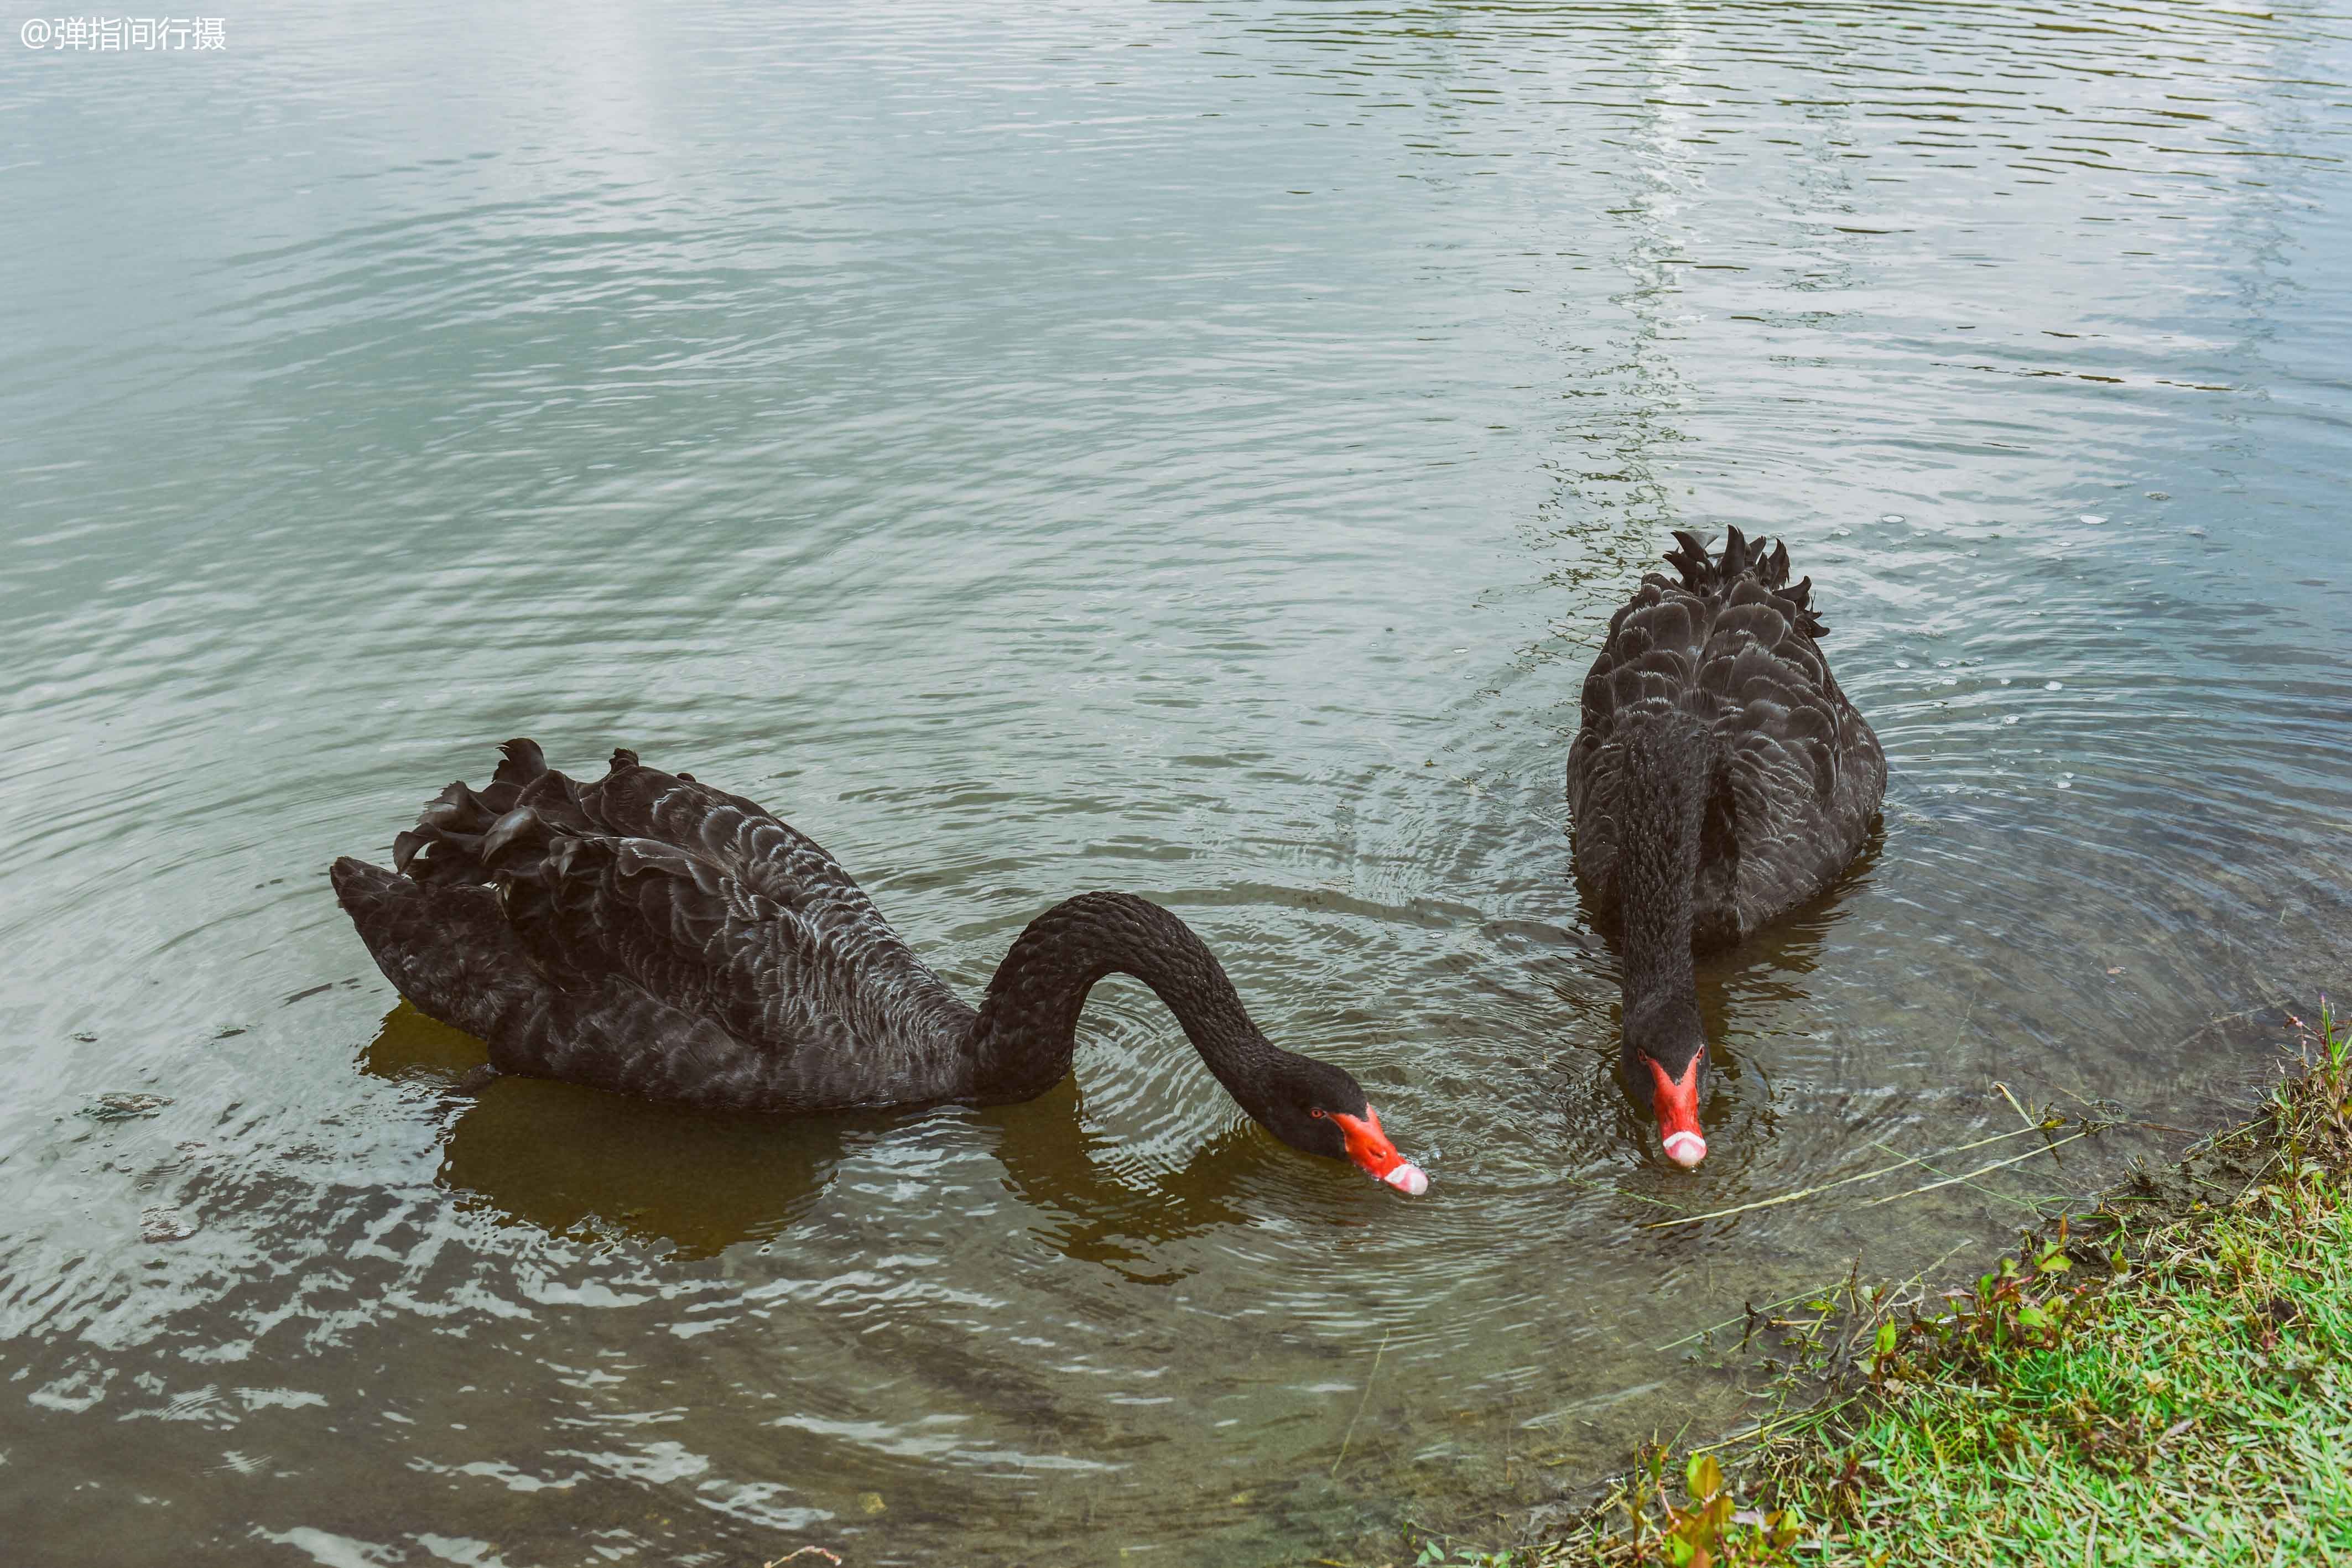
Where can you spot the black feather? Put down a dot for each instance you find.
(1726, 654)
(520, 761)
(405, 847)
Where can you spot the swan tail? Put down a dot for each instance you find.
(1765, 562)
(445, 948)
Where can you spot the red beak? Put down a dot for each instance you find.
(1369, 1147)
(1676, 1102)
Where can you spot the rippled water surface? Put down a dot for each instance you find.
(1190, 448)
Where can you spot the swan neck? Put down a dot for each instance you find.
(1028, 1025)
(1666, 803)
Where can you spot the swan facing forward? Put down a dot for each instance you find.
(649, 934)
(1720, 779)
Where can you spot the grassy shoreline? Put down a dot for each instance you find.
(2165, 1379)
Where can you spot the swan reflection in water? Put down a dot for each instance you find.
(569, 1159)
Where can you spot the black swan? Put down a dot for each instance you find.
(1720, 780)
(649, 934)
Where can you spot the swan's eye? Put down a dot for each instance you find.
(1316, 1111)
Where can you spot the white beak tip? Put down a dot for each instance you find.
(1686, 1149)
(1409, 1179)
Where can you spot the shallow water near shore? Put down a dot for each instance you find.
(1187, 448)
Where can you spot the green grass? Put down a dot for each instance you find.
(2203, 1416)
(2168, 1381)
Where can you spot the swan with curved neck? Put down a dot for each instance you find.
(646, 934)
(1720, 779)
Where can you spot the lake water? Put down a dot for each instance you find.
(1187, 448)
